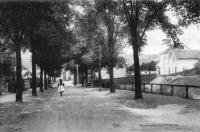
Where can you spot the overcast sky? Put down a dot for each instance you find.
(190, 38)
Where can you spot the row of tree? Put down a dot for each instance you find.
(91, 50)
(131, 19)
(44, 27)
(147, 67)
(39, 26)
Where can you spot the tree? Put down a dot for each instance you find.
(150, 66)
(18, 22)
(43, 12)
(5, 69)
(12, 28)
(130, 69)
(91, 49)
(187, 11)
(108, 11)
(143, 16)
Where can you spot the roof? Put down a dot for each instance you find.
(172, 48)
(185, 53)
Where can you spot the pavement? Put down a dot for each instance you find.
(81, 110)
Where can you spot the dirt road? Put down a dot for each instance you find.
(79, 110)
(84, 110)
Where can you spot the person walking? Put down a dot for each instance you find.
(61, 88)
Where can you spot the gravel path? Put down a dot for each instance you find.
(85, 110)
(80, 110)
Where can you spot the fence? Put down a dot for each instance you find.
(186, 91)
(130, 80)
(170, 89)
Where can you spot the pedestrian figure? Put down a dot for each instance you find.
(61, 87)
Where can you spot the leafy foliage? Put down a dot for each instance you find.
(187, 11)
(143, 16)
(150, 66)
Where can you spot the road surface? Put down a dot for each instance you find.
(82, 110)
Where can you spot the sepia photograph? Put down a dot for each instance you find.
(99, 65)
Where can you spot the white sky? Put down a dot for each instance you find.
(190, 38)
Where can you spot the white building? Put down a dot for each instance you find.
(117, 73)
(177, 60)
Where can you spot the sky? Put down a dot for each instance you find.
(190, 38)
(26, 59)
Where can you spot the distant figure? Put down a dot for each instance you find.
(61, 87)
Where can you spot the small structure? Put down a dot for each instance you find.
(117, 73)
(177, 60)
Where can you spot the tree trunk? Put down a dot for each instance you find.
(34, 85)
(112, 88)
(135, 44)
(92, 76)
(82, 76)
(1, 84)
(41, 79)
(100, 83)
(77, 69)
(45, 80)
(18, 73)
(50, 79)
(75, 76)
(86, 75)
(100, 80)
(138, 89)
(111, 44)
(0, 87)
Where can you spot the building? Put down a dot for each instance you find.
(67, 75)
(9, 58)
(117, 73)
(6, 57)
(177, 60)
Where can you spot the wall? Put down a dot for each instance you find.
(169, 64)
(186, 64)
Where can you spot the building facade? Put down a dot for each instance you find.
(177, 60)
(8, 58)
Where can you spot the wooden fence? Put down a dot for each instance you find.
(171, 87)
(130, 79)
(154, 88)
